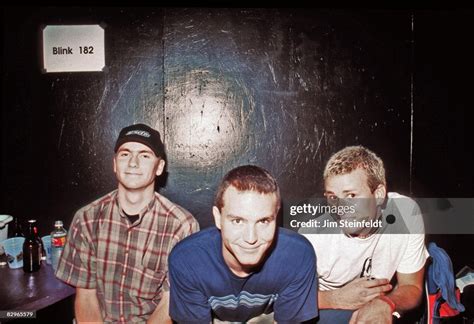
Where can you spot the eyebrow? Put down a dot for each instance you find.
(328, 192)
(271, 217)
(349, 190)
(128, 150)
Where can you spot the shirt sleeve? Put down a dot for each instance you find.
(298, 301)
(187, 303)
(77, 265)
(188, 226)
(416, 253)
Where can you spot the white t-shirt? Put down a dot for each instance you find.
(400, 248)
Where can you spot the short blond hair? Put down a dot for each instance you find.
(351, 158)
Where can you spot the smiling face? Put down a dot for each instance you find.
(353, 189)
(136, 166)
(247, 222)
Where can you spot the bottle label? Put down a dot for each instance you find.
(58, 241)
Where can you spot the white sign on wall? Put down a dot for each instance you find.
(73, 48)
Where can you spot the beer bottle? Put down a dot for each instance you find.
(32, 249)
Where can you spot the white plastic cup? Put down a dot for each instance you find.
(47, 247)
(4, 220)
(14, 251)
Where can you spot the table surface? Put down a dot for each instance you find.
(31, 291)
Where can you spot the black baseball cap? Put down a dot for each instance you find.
(143, 134)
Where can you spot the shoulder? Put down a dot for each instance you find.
(291, 237)
(296, 245)
(87, 218)
(406, 209)
(91, 210)
(401, 201)
(195, 246)
(175, 211)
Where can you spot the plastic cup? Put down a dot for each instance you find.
(14, 251)
(4, 220)
(47, 247)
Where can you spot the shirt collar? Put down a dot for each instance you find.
(144, 211)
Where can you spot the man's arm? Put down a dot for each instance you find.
(86, 306)
(187, 302)
(297, 290)
(354, 295)
(161, 313)
(406, 295)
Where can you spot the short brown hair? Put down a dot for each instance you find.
(247, 178)
(351, 158)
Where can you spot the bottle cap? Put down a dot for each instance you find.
(58, 223)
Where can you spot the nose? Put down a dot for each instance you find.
(133, 162)
(334, 201)
(250, 235)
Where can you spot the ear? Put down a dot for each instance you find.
(217, 216)
(380, 193)
(161, 167)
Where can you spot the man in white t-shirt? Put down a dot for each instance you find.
(371, 237)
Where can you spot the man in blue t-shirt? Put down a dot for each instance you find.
(247, 266)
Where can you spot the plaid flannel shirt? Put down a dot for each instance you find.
(126, 263)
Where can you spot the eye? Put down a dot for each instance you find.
(265, 221)
(146, 156)
(351, 195)
(331, 198)
(236, 221)
(123, 154)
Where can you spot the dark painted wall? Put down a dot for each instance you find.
(281, 88)
(443, 163)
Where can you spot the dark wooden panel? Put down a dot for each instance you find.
(59, 129)
(281, 88)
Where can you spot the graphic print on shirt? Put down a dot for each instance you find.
(243, 299)
(366, 268)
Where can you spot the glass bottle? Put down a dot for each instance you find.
(32, 249)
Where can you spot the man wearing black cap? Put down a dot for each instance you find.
(117, 249)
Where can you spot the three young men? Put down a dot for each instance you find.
(245, 266)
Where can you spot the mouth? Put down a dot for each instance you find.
(249, 250)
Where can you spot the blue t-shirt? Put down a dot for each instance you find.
(202, 285)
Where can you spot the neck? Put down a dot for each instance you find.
(133, 201)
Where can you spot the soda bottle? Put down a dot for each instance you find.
(32, 248)
(58, 240)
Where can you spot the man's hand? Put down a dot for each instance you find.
(86, 306)
(355, 294)
(375, 312)
(161, 314)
